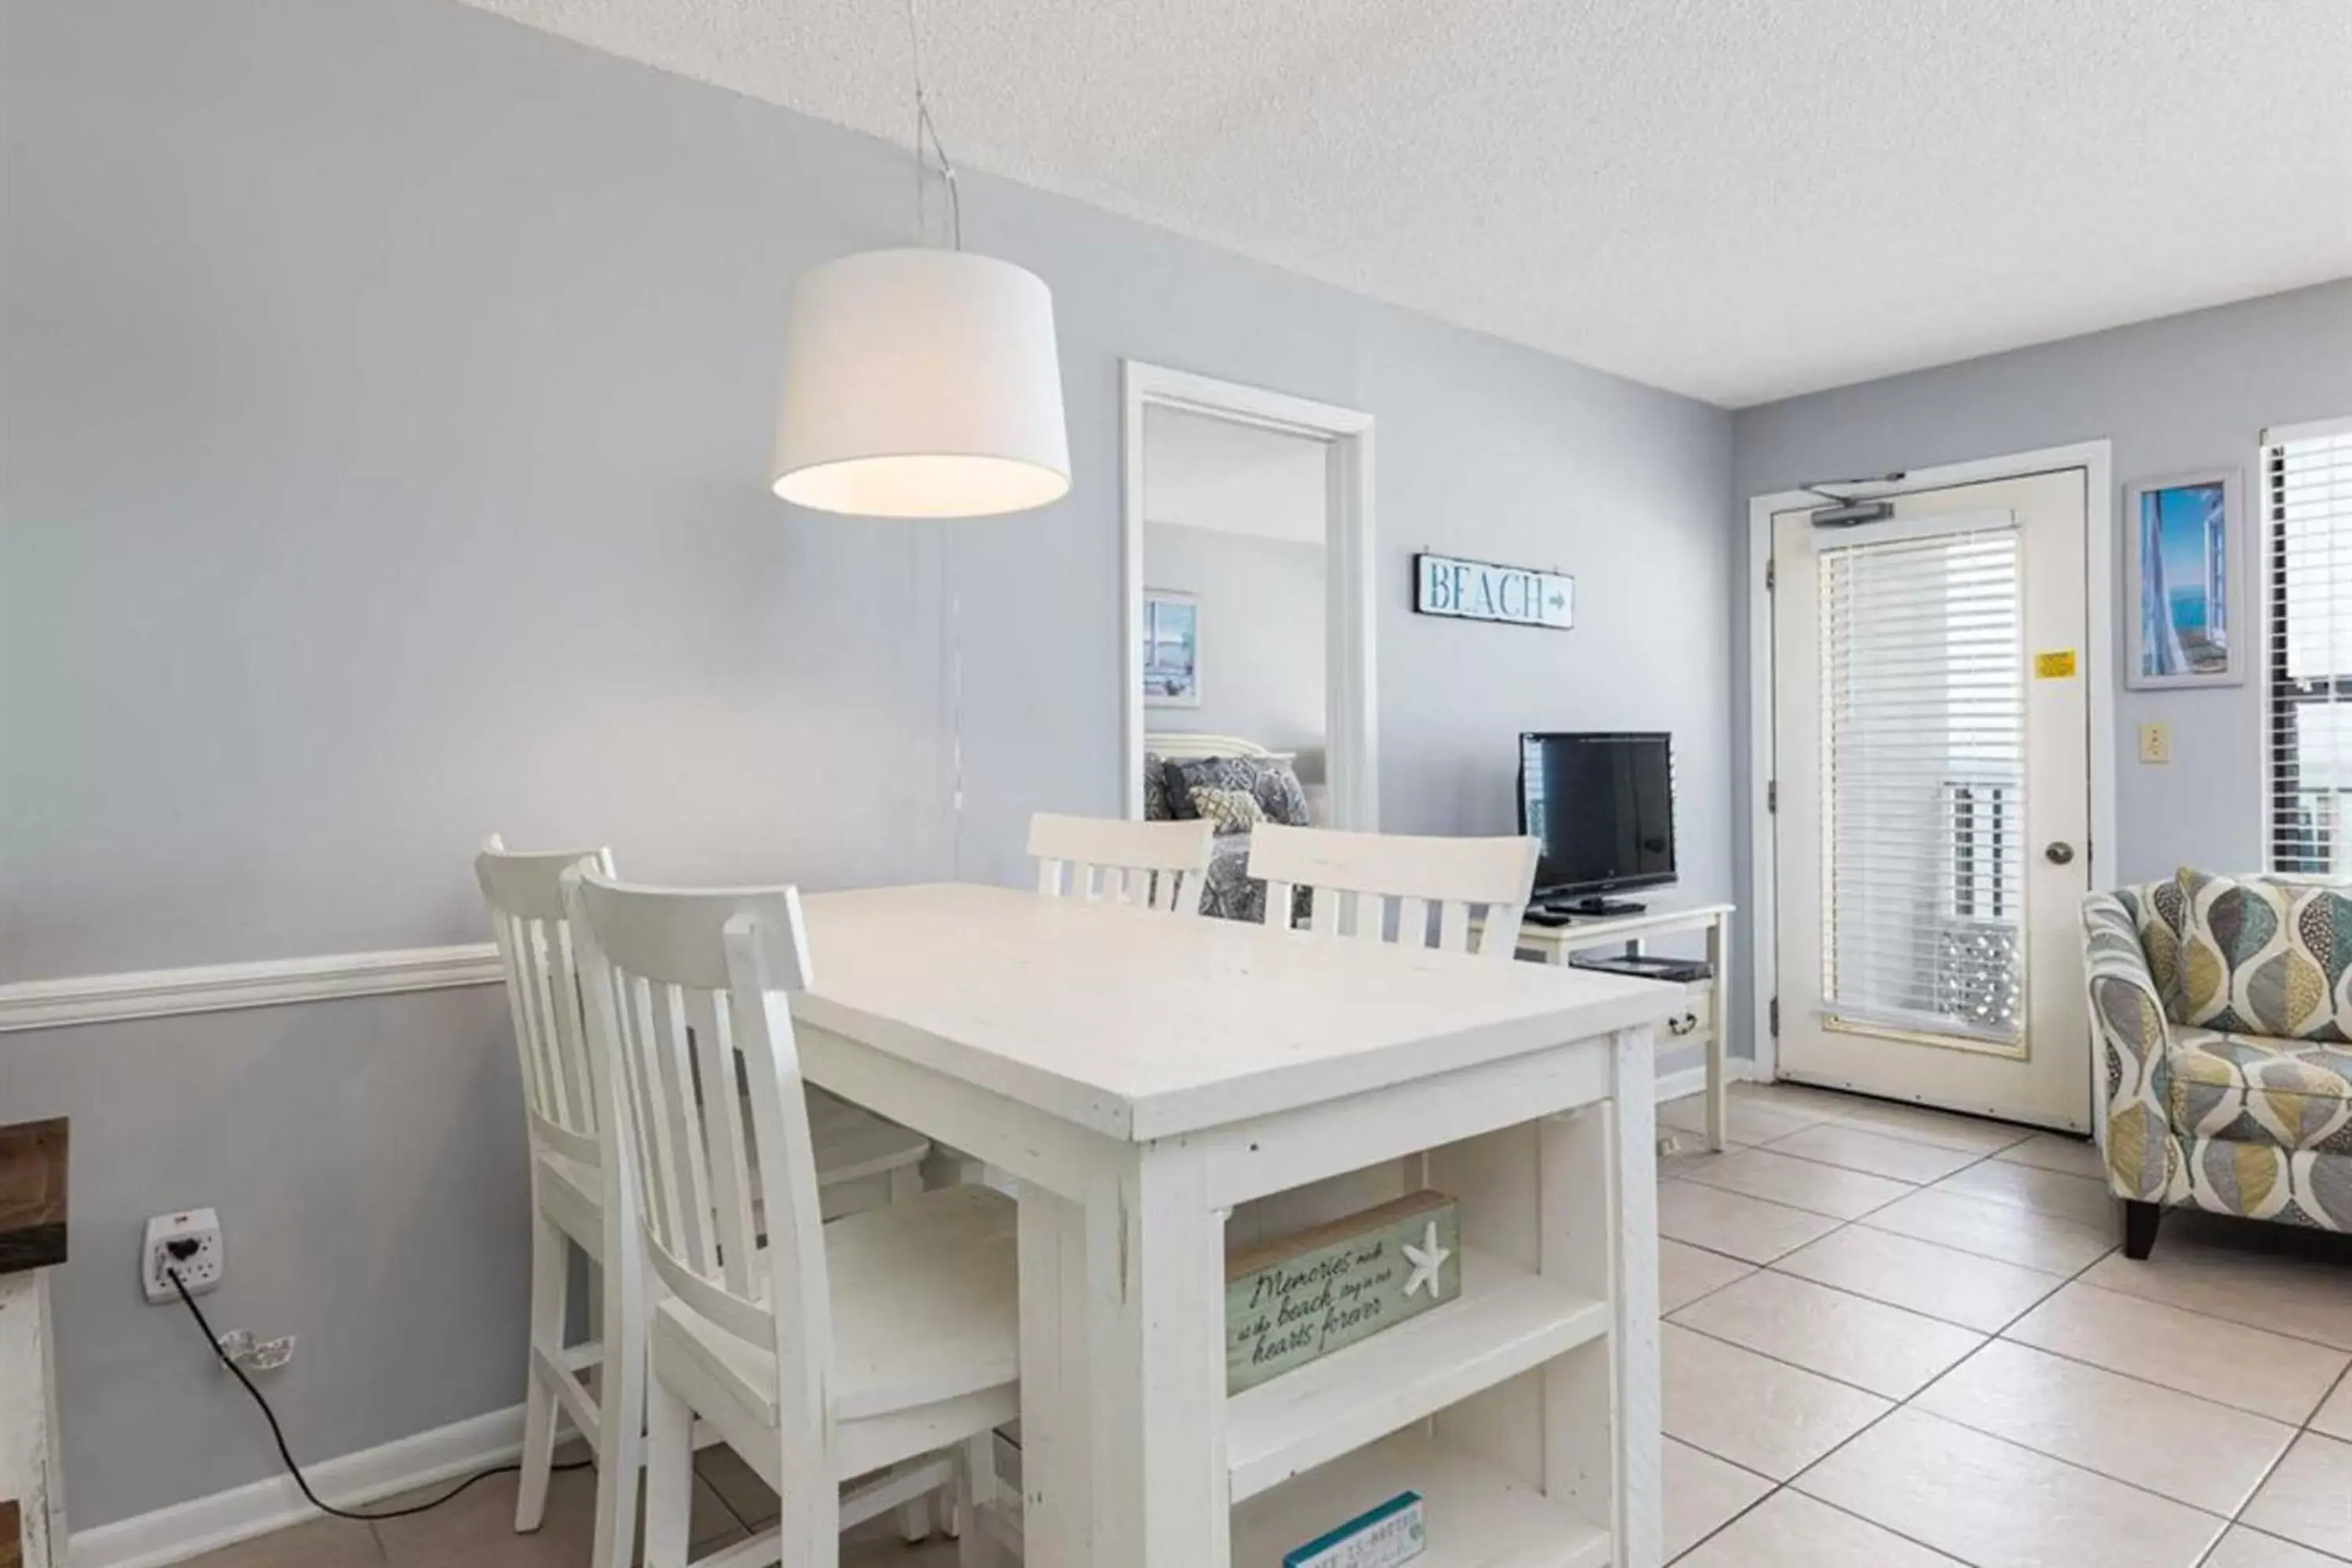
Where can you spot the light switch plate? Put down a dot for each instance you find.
(2156, 742)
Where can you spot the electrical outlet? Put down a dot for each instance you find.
(2156, 742)
(190, 1242)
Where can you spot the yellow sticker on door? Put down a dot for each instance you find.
(2055, 666)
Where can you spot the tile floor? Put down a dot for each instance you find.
(1894, 1339)
(1897, 1339)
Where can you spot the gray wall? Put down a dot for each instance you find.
(385, 392)
(2186, 392)
(1262, 618)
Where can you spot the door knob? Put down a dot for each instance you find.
(2059, 853)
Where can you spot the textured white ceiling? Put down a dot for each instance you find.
(1200, 472)
(1736, 199)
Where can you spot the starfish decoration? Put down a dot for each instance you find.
(1426, 1260)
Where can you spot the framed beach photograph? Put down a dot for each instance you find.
(1171, 649)
(2186, 582)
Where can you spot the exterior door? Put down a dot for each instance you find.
(1932, 759)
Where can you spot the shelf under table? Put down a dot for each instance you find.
(1506, 1320)
(1478, 1515)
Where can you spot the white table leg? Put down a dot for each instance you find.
(1718, 1037)
(1157, 1332)
(1056, 1444)
(30, 1470)
(1598, 1181)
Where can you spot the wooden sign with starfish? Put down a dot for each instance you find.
(1295, 1301)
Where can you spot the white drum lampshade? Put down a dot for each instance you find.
(922, 384)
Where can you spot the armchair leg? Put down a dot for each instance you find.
(2140, 1220)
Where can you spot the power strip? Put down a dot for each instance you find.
(190, 1242)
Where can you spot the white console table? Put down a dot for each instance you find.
(1703, 1021)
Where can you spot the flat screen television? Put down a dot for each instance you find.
(1600, 808)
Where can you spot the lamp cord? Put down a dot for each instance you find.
(927, 131)
(285, 1454)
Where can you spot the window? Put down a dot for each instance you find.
(2306, 495)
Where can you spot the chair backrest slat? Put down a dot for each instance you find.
(722, 1103)
(524, 894)
(1378, 872)
(1151, 865)
(691, 993)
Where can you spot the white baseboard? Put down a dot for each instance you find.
(204, 1524)
(1692, 1079)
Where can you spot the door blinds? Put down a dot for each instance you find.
(1923, 783)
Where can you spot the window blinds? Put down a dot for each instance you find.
(1923, 783)
(2307, 514)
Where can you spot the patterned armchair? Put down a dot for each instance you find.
(2223, 1008)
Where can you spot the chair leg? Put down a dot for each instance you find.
(975, 1484)
(621, 1402)
(2140, 1220)
(914, 1518)
(669, 1476)
(915, 1521)
(550, 1261)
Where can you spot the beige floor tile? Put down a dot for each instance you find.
(321, 1543)
(1686, 1273)
(2243, 1548)
(1990, 1229)
(746, 1497)
(2051, 1151)
(1891, 1353)
(1799, 1183)
(1878, 1153)
(2102, 1421)
(2077, 1198)
(1792, 1531)
(1960, 1287)
(476, 1529)
(1752, 1121)
(1753, 1411)
(1693, 1157)
(937, 1553)
(2335, 1417)
(2308, 1499)
(1798, 1099)
(2229, 1363)
(2227, 1270)
(1919, 1124)
(1703, 1495)
(1997, 1505)
(1733, 1223)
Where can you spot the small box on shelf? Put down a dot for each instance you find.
(1383, 1537)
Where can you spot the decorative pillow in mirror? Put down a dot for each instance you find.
(1280, 794)
(1156, 805)
(1233, 810)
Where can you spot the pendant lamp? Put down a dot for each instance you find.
(922, 382)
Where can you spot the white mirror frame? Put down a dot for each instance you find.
(1352, 756)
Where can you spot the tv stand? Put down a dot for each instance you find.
(1594, 906)
(1704, 1025)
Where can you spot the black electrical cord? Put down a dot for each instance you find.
(286, 1454)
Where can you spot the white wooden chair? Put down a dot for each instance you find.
(817, 1352)
(861, 1160)
(1358, 877)
(1116, 860)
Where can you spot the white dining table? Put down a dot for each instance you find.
(1141, 1076)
